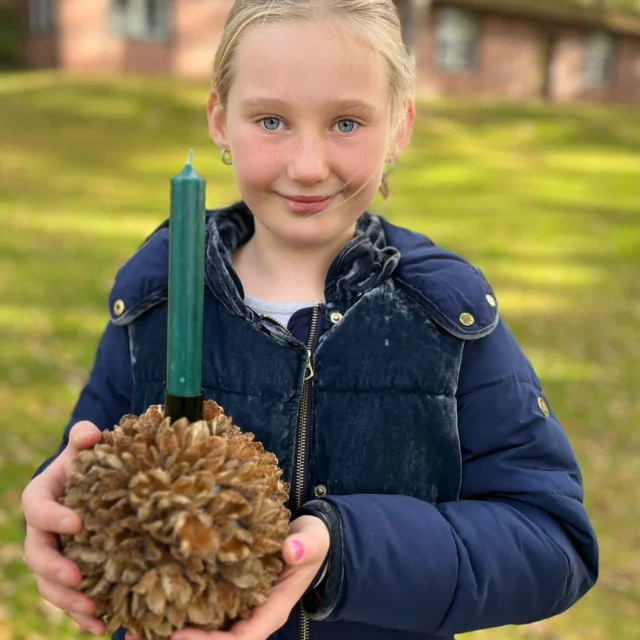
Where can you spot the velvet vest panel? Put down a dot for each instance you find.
(382, 402)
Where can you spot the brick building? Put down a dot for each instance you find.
(512, 49)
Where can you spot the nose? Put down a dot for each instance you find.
(308, 163)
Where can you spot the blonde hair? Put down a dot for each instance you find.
(376, 21)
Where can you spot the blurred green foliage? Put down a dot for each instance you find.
(10, 35)
(543, 198)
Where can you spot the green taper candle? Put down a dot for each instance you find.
(186, 295)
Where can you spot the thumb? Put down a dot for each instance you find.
(83, 435)
(308, 542)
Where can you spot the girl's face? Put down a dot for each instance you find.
(308, 124)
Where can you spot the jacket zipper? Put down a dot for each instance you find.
(305, 632)
(301, 440)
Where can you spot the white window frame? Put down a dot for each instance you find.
(42, 16)
(457, 39)
(599, 59)
(130, 19)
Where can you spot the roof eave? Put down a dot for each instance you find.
(553, 12)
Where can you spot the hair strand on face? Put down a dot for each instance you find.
(367, 182)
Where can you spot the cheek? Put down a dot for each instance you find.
(254, 161)
(362, 163)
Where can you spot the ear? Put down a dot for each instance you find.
(217, 121)
(404, 133)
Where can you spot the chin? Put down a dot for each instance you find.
(309, 232)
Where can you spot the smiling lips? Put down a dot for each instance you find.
(307, 204)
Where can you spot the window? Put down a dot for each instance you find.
(141, 19)
(456, 39)
(599, 59)
(41, 16)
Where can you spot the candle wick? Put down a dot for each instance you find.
(190, 158)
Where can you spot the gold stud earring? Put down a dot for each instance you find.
(227, 158)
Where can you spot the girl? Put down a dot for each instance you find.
(433, 489)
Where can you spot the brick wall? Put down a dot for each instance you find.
(85, 41)
(510, 61)
(627, 74)
(568, 66)
(510, 64)
(86, 44)
(41, 52)
(38, 50)
(568, 70)
(198, 26)
(507, 63)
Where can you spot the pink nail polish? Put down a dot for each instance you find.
(298, 549)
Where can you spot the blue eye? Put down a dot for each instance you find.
(347, 126)
(271, 124)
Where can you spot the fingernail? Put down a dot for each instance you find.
(66, 525)
(79, 607)
(62, 576)
(298, 549)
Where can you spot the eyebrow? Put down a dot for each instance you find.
(363, 107)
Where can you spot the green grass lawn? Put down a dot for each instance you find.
(544, 199)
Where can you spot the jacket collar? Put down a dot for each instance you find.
(363, 264)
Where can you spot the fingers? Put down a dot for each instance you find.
(43, 559)
(43, 513)
(45, 517)
(266, 619)
(88, 623)
(40, 498)
(83, 435)
(303, 551)
(65, 598)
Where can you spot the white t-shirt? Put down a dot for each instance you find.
(279, 311)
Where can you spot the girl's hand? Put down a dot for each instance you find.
(304, 552)
(46, 518)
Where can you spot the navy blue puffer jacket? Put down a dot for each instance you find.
(452, 496)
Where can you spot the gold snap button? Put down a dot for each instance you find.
(336, 316)
(492, 301)
(320, 491)
(118, 308)
(467, 319)
(544, 407)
